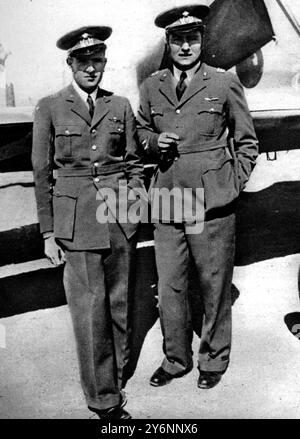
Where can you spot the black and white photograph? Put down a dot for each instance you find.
(150, 212)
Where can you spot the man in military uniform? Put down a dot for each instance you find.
(194, 122)
(89, 136)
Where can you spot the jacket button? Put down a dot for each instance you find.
(67, 132)
(97, 179)
(94, 147)
(211, 110)
(178, 111)
(96, 164)
(93, 131)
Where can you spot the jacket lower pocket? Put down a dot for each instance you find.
(64, 208)
(220, 184)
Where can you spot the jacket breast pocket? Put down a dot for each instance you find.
(159, 115)
(156, 112)
(116, 126)
(64, 210)
(210, 113)
(67, 140)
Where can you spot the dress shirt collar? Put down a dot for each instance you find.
(190, 73)
(83, 94)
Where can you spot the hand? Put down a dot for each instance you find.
(53, 251)
(167, 140)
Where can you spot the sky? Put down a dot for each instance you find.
(30, 29)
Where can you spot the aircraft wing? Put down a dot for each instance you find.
(15, 138)
(277, 130)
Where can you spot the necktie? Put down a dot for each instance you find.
(91, 105)
(181, 86)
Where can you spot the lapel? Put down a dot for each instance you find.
(167, 88)
(102, 106)
(76, 104)
(197, 84)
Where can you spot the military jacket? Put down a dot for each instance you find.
(89, 155)
(217, 147)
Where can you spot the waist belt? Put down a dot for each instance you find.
(201, 147)
(90, 171)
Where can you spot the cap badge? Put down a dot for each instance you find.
(185, 19)
(86, 40)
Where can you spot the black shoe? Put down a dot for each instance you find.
(161, 377)
(116, 412)
(207, 380)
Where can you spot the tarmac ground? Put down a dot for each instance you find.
(39, 373)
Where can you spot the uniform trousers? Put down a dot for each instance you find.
(98, 289)
(212, 252)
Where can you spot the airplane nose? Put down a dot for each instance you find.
(250, 70)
